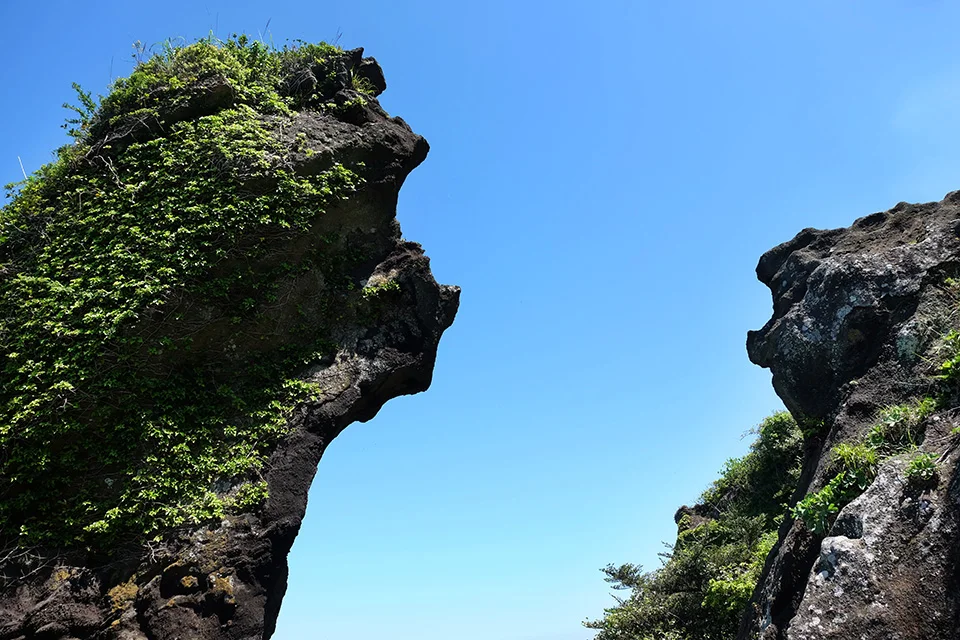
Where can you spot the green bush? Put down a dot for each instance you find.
(818, 509)
(855, 466)
(710, 573)
(763, 480)
(922, 469)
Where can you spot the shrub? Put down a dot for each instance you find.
(898, 426)
(761, 481)
(818, 509)
(710, 573)
(856, 466)
(922, 469)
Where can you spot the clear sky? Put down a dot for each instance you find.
(603, 178)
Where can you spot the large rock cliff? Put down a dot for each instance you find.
(863, 352)
(196, 298)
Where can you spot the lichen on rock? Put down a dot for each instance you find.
(196, 297)
(862, 347)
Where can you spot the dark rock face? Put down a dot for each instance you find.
(227, 580)
(859, 317)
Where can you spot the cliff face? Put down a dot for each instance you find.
(862, 351)
(220, 287)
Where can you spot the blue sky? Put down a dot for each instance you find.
(602, 180)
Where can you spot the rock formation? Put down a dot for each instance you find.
(860, 337)
(325, 297)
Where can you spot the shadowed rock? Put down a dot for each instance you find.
(858, 325)
(226, 579)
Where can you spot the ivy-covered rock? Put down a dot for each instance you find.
(195, 298)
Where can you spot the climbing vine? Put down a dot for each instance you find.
(129, 269)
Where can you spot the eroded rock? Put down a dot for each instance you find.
(226, 579)
(859, 320)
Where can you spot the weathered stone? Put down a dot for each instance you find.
(859, 316)
(226, 580)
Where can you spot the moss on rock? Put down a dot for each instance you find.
(142, 389)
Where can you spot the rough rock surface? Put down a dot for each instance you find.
(227, 579)
(859, 317)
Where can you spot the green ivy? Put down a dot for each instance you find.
(114, 421)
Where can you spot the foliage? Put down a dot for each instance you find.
(950, 368)
(709, 575)
(761, 481)
(363, 85)
(898, 428)
(810, 427)
(85, 112)
(728, 594)
(380, 289)
(271, 80)
(123, 266)
(947, 354)
(859, 459)
(922, 469)
(818, 509)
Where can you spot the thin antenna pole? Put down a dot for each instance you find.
(21, 168)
